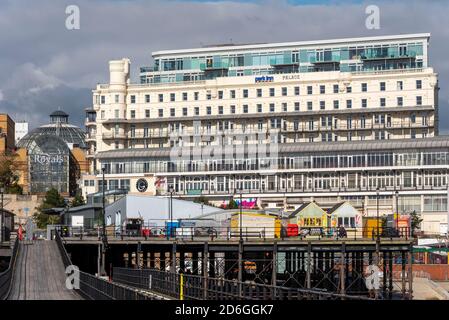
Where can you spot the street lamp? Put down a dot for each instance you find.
(397, 211)
(2, 191)
(170, 211)
(241, 215)
(104, 237)
(377, 204)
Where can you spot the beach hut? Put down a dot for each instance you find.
(344, 214)
(309, 215)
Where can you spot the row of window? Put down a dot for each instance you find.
(272, 107)
(259, 92)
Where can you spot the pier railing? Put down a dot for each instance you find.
(95, 288)
(6, 276)
(153, 232)
(194, 287)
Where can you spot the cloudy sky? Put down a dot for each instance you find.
(44, 66)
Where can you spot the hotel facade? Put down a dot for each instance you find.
(284, 123)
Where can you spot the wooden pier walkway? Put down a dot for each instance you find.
(40, 274)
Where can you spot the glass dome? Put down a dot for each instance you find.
(59, 127)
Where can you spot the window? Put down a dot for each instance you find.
(309, 90)
(336, 104)
(117, 98)
(208, 110)
(220, 94)
(245, 93)
(382, 102)
(161, 97)
(147, 113)
(172, 97)
(245, 108)
(336, 88)
(271, 107)
(418, 84)
(232, 94)
(102, 99)
(172, 112)
(348, 89)
(296, 106)
(322, 89)
(147, 98)
(232, 109)
(196, 95)
(272, 92)
(133, 98)
(322, 105)
(161, 112)
(364, 103)
(413, 118)
(184, 112)
(309, 105)
(284, 91)
(259, 93)
(382, 86)
(419, 101)
(116, 113)
(413, 134)
(296, 91)
(364, 87)
(102, 114)
(284, 107)
(184, 96)
(348, 104)
(259, 108)
(133, 114)
(400, 85)
(208, 96)
(400, 101)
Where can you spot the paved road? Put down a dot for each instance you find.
(39, 273)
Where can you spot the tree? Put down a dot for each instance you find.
(9, 179)
(232, 204)
(415, 221)
(77, 201)
(202, 199)
(52, 200)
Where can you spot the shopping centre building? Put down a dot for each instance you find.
(283, 123)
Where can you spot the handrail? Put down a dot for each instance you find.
(7, 276)
(95, 288)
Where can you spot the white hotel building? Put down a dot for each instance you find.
(347, 119)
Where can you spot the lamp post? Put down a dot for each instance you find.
(104, 236)
(170, 211)
(397, 211)
(2, 191)
(377, 204)
(241, 216)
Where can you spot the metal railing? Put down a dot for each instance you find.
(95, 288)
(6, 276)
(194, 287)
(152, 232)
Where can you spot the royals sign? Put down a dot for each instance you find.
(47, 158)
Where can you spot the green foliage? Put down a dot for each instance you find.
(8, 177)
(52, 200)
(232, 204)
(415, 221)
(77, 201)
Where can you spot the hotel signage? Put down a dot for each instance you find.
(48, 158)
(264, 79)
